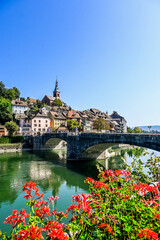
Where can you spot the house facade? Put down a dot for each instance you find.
(122, 123)
(19, 106)
(24, 125)
(58, 120)
(41, 123)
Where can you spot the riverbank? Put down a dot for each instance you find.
(10, 147)
(18, 147)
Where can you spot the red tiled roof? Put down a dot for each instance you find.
(73, 114)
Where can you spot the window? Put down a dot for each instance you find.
(39, 120)
(39, 129)
(35, 125)
(43, 129)
(39, 125)
(46, 121)
(46, 125)
(34, 120)
(34, 129)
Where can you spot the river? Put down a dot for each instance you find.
(52, 174)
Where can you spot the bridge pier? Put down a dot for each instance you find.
(37, 142)
(73, 148)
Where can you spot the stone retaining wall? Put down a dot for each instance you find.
(4, 148)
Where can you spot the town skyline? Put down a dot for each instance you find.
(106, 55)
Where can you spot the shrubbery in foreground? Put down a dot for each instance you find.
(118, 207)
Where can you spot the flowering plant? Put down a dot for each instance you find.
(44, 222)
(117, 207)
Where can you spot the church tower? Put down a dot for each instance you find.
(56, 92)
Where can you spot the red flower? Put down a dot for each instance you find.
(148, 234)
(32, 233)
(106, 226)
(54, 230)
(16, 218)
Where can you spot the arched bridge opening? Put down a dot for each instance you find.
(56, 144)
(104, 150)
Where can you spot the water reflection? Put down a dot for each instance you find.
(50, 170)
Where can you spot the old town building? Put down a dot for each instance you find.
(19, 106)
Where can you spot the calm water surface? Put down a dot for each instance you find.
(53, 175)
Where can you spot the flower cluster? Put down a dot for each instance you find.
(39, 220)
(148, 234)
(16, 218)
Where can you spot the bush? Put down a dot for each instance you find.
(13, 139)
(4, 140)
(17, 139)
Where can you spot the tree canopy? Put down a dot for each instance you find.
(17, 92)
(57, 102)
(5, 110)
(72, 124)
(137, 130)
(2, 89)
(9, 93)
(129, 130)
(101, 124)
(11, 127)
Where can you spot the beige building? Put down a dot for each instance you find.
(57, 120)
(41, 123)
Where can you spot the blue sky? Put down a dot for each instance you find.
(106, 53)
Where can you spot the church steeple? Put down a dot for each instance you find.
(56, 92)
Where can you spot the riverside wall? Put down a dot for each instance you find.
(5, 148)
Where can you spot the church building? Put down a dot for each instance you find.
(49, 100)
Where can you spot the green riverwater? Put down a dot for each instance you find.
(53, 175)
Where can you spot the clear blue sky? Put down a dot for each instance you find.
(106, 53)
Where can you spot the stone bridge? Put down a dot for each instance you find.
(77, 144)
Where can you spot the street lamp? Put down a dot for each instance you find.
(149, 127)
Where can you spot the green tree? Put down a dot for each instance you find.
(2, 89)
(72, 124)
(5, 110)
(101, 124)
(137, 130)
(10, 94)
(129, 130)
(57, 102)
(11, 127)
(17, 92)
(39, 104)
(22, 99)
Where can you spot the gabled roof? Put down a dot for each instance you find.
(57, 115)
(50, 97)
(18, 102)
(39, 114)
(115, 115)
(95, 111)
(82, 114)
(73, 114)
(32, 100)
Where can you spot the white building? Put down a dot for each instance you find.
(19, 106)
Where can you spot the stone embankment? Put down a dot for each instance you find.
(15, 147)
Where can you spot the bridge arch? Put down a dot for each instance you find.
(55, 143)
(87, 140)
